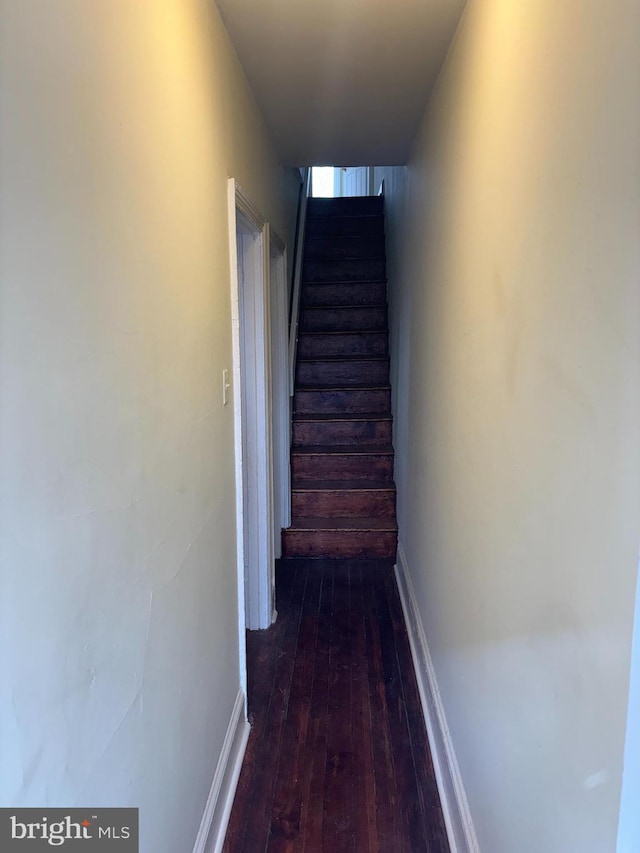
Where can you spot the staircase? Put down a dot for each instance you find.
(343, 494)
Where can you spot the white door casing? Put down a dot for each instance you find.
(281, 425)
(353, 181)
(249, 258)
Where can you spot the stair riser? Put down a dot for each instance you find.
(345, 293)
(341, 432)
(356, 401)
(342, 374)
(365, 319)
(345, 247)
(340, 544)
(346, 226)
(327, 466)
(364, 205)
(365, 269)
(343, 504)
(337, 346)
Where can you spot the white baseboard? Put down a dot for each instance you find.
(213, 826)
(460, 829)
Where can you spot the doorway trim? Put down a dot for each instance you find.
(281, 406)
(250, 334)
(340, 178)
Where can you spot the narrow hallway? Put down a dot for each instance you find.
(338, 758)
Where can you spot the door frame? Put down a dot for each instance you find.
(281, 416)
(250, 334)
(339, 180)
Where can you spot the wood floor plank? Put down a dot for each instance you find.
(338, 758)
(361, 730)
(387, 805)
(338, 832)
(313, 807)
(292, 760)
(433, 825)
(266, 734)
(263, 658)
(409, 814)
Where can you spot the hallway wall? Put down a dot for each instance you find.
(515, 311)
(121, 123)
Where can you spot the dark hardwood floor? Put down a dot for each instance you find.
(337, 759)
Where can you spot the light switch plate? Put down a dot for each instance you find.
(225, 387)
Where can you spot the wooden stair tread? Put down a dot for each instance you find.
(342, 450)
(328, 260)
(360, 282)
(343, 486)
(338, 237)
(325, 211)
(353, 307)
(362, 386)
(343, 524)
(332, 359)
(343, 332)
(328, 389)
(341, 417)
(330, 214)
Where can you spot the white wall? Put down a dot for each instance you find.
(629, 823)
(121, 122)
(515, 314)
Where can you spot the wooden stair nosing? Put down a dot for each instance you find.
(341, 258)
(344, 332)
(332, 359)
(348, 309)
(316, 385)
(353, 307)
(344, 524)
(345, 282)
(342, 236)
(342, 450)
(327, 324)
(341, 417)
(343, 486)
(379, 387)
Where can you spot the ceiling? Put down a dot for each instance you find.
(342, 82)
